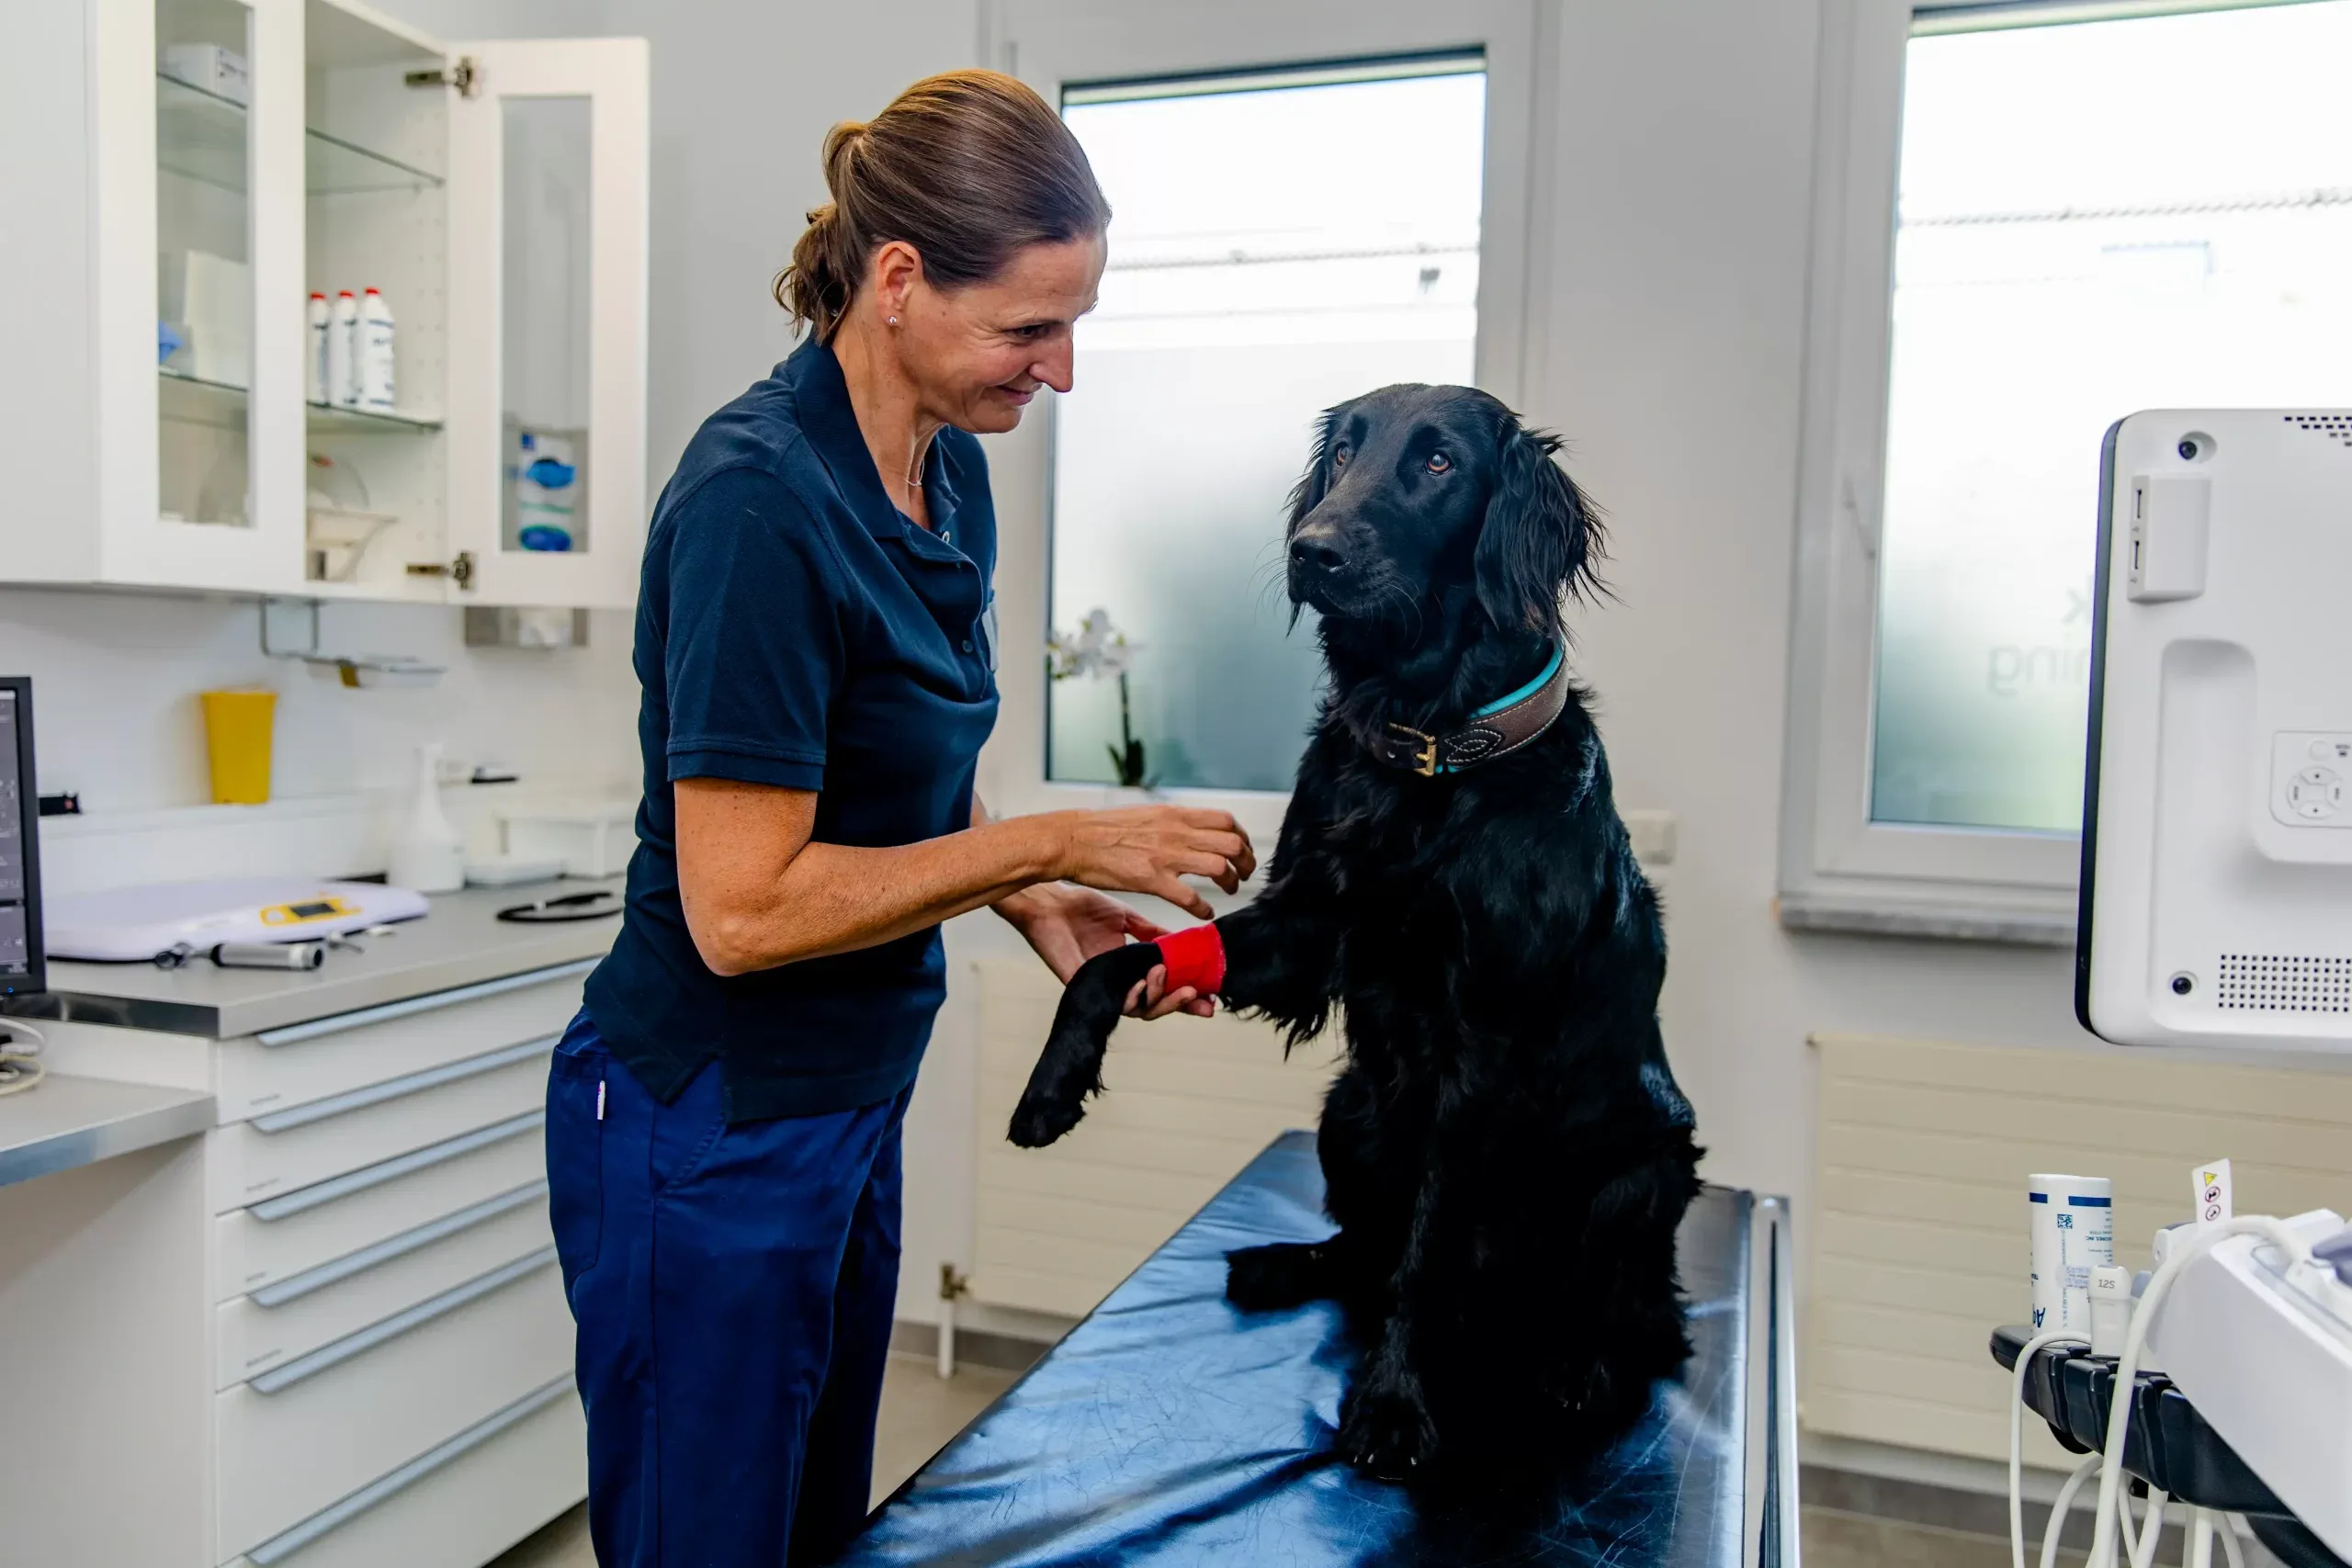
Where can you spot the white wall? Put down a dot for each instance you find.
(115, 678)
(1668, 316)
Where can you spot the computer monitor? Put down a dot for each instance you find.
(2216, 904)
(23, 964)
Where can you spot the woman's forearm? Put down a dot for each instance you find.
(832, 898)
(760, 892)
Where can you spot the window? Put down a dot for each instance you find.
(1255, 279)
(2094, 218)
(2098, 209)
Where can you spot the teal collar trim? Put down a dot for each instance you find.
(1559, 657)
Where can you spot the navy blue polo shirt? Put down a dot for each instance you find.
(795, 629)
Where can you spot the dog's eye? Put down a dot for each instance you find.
(1339, 456)
(1439, 462)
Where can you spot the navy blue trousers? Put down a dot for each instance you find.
(733, 1289)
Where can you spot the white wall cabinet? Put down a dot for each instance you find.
(196, 171)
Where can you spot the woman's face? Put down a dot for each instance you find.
(976, 354)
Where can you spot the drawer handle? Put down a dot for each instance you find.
(396, 1167)
(424, 1312)
(278, 1548)
(293, 1033)
(394, 1088)
(400, 1246)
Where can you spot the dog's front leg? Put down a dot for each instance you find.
(1070, 1067)
(1276, 955)
(1281, 957)
(1269, 952)
(1384, 1426)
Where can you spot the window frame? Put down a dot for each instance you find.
(1839, 868)
(1049, 43)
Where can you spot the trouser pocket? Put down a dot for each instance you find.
(575, 1131)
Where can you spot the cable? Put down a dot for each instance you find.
(2142, 1550)
(20, 1045)
(2199, 1553)
(2058, 1509)
(2033, 1348)
(2127, 1370)
(2229, 1533)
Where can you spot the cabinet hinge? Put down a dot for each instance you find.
(459, 572)
(463, 74)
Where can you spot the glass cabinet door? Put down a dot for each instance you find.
(547, 350)
(196, 139)
(375, 260)
(204, 297)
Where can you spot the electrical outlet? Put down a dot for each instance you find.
(1652, 834)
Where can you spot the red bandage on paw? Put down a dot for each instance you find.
(1196, 958)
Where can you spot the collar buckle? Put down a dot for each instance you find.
(1424, 753)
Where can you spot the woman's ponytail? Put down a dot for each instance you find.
(967, 167)
(816, 285)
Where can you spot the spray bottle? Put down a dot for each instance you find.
(429, 856)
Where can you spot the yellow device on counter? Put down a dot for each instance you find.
(323, 909)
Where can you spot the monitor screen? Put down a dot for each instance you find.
(21, 966)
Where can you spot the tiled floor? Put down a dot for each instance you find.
(919, 1413)
(1833, 1539)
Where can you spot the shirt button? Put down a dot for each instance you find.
(968, 645)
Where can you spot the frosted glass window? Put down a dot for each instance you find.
(2096, 218)
(1278, 244)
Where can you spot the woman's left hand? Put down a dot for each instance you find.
(1067, 925)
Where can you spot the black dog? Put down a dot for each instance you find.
(1505, 1153)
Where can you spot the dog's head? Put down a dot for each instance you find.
(1417, 494)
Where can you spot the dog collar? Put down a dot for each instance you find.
(1495, 730)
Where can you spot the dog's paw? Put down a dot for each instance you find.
(1041, 1118)
(1268, 1279)
(1386, 1434)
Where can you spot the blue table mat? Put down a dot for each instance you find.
(1168, 1429)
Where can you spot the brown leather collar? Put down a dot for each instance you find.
(1496, 731)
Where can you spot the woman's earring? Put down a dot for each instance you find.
(894, 320)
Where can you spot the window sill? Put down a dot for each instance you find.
(1953, 921)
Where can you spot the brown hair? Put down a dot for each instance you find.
(966, 167)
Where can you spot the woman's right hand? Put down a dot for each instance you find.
(1146, 849)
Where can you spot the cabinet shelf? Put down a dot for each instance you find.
(191, 400)
(333, 419)
(202, 137)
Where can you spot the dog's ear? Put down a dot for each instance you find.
(1313, 484)
(1540, 540)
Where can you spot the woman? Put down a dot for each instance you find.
(813, 638)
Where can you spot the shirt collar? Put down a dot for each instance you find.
(822, 395)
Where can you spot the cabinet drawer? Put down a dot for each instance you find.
(290, 1320)
(282, 1237)
(458, 1506)
(282, 1068)
(250, 1161)
(286, 1455)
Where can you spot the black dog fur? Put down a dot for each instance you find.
(1506, 1153)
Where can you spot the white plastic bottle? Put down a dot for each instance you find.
(372, 353)
(320, 315)
(429, 856)
(343, 386)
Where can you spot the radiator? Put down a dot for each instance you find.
(1918, 1225)
(1187, 1102)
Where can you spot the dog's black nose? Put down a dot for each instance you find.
(1315, 555)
